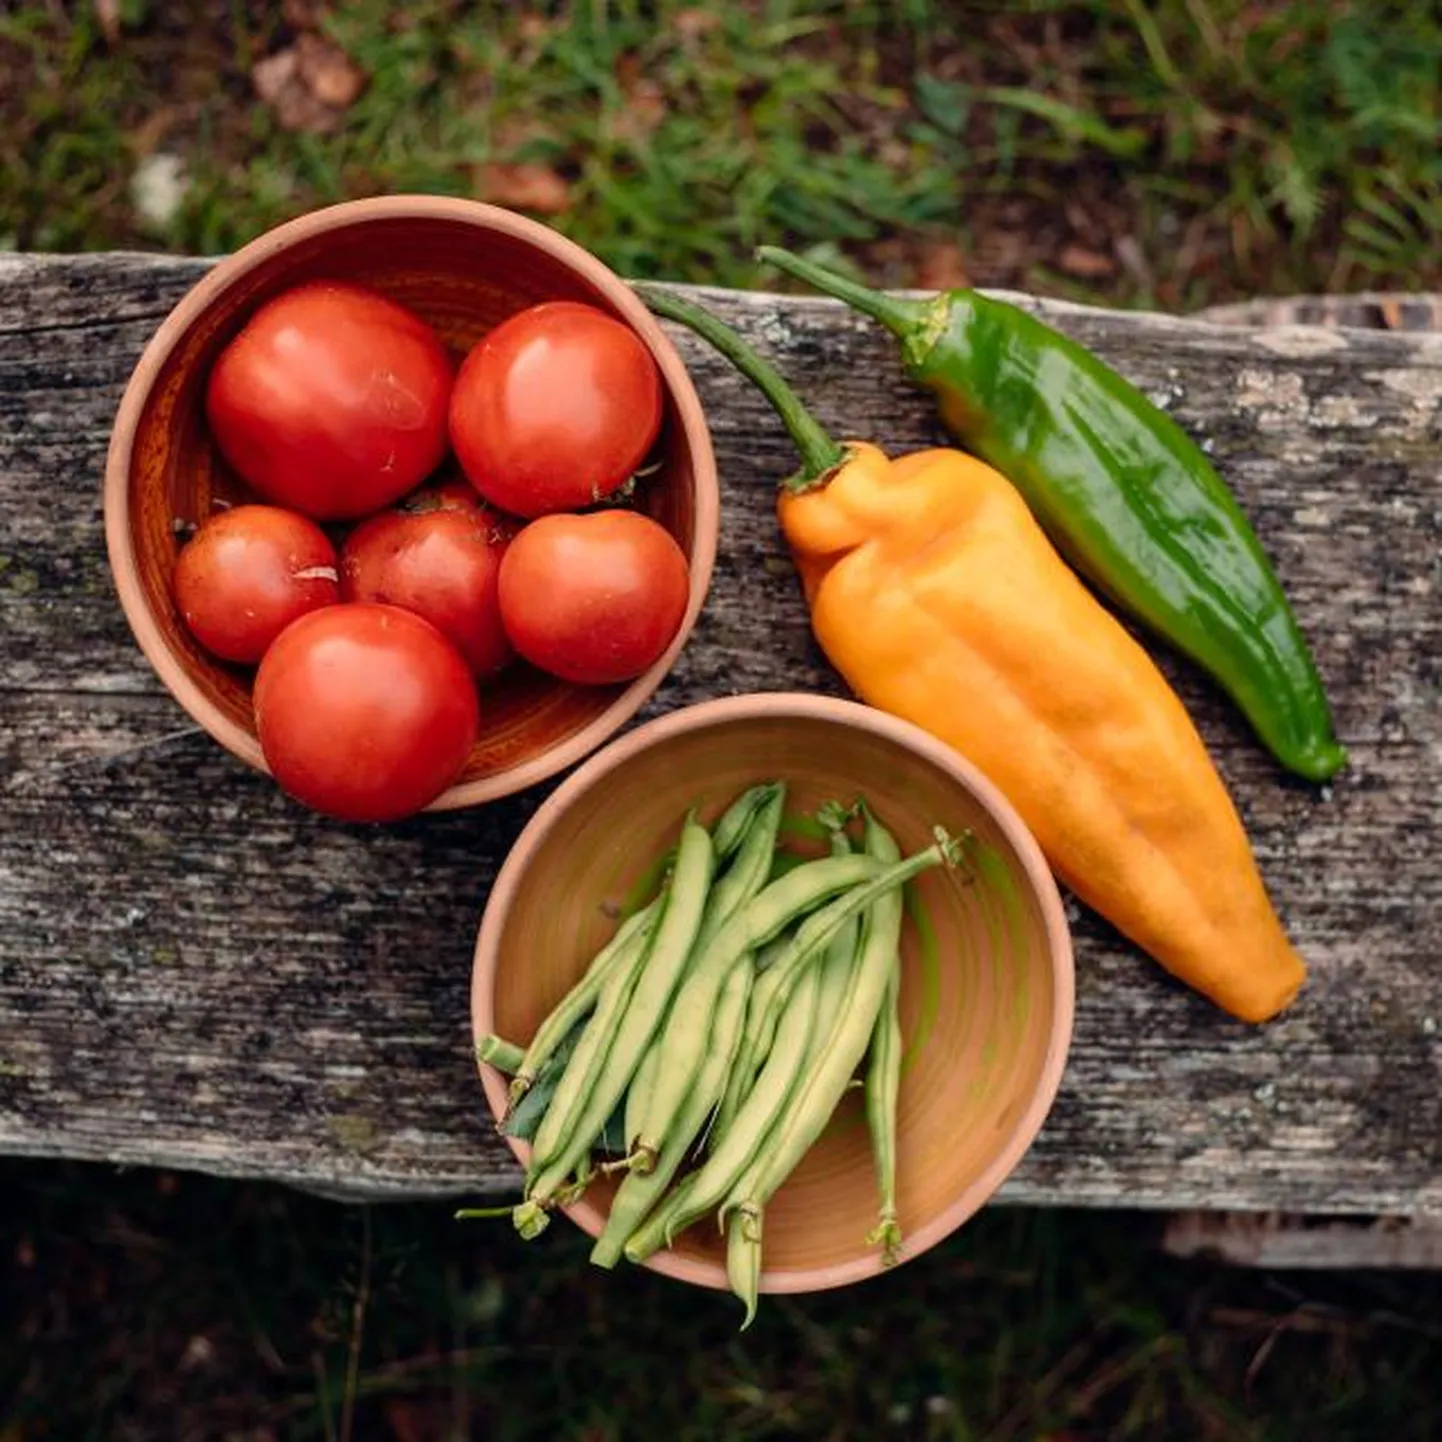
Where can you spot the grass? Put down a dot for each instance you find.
(154, 1305)
(1166, 154)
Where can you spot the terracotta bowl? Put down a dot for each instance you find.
(987, 986)
(465, 267)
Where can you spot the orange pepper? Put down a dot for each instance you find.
(938, 597)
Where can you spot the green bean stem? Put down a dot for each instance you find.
(763, 1105)
(830, 1069)
(504, 1055)
(581, 998)
(645, 1007)
(777, 904)
(640, 1191)
(883, 1085)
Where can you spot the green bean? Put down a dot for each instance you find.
(883, 1084)
(730, 828)
(584, 1173)
(831, 1068)
(821, 928)
(743, 1262)
(582, 997)
(817, 931)
(748, 873)
(640, 1191)
(526, 1116)
(504, 1055)
(839, 954)
(758, 1114)
(761, 1021)
(750, 1178)
(835, 978)
(837, 970)
(640, 1089)
(756, 923)
(643, 1012)
(589, 1057)
(651, 1235)
(740, 883)
(814, 934)
(747, 1060)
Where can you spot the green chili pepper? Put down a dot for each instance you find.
(1123, 492)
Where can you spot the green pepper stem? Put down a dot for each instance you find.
(901, 317)
(819, 452)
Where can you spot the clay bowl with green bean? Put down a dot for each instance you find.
(771, 994)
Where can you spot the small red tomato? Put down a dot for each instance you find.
(554, 409)
(439, 557)
(593, 599)
(450, 496)
(366, 713)
(331, 400)
(247, 573)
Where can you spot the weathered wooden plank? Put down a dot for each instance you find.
(194, 972)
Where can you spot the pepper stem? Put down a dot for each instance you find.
(900, 317)
(819, 452)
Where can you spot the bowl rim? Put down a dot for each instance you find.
(799, 705)
(223, 275)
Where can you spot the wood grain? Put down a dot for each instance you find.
(195, 973)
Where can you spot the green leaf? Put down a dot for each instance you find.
(1078, 126)
(946, 103)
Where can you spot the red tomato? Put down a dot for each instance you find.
(332, 400)
(439, 557)
(555, 409)
(247, 573)
(593, 599)
(366, 713)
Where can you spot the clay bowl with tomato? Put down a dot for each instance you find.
(411, 504)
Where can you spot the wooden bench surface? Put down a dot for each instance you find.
(196, 973)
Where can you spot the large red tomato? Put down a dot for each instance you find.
(247, 573)
(332, 400)
(366, 713)
(593, 599)
(555, 409)
(441, 560)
